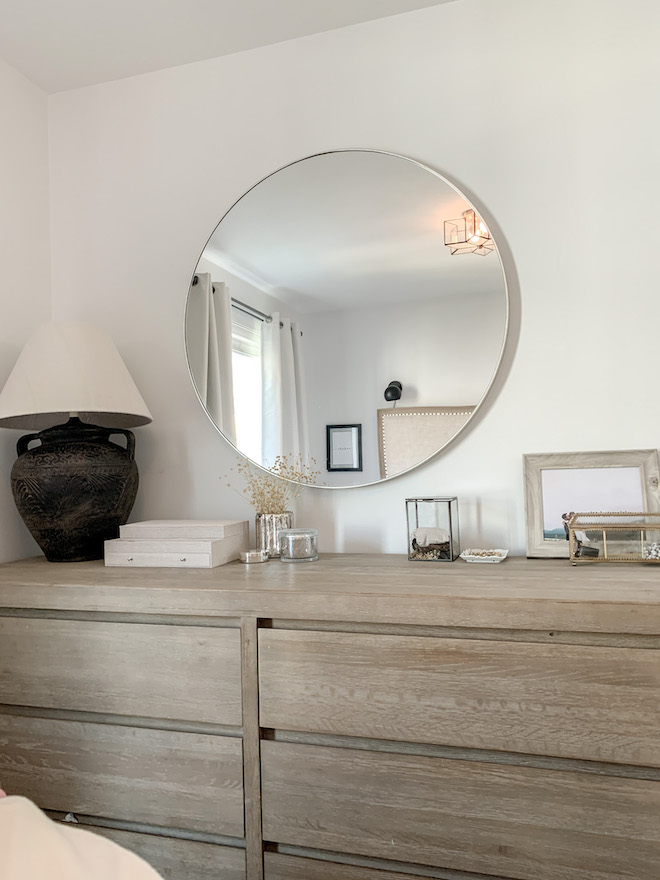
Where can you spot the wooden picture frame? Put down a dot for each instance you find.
(589, 481)
(344, 447)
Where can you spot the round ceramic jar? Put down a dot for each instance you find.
(299, 545)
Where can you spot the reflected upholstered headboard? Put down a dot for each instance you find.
(410, 434)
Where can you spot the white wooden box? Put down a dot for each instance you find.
(176, 552)
(188, 529)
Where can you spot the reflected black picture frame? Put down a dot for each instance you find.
(344, 447)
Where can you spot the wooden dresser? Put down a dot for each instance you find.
(357, 718)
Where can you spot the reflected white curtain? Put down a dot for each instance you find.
(284, 401)
(209, 347)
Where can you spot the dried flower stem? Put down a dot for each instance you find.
(275, 489)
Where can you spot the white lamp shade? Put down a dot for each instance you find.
(71, 368)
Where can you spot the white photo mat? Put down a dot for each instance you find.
(583, 482)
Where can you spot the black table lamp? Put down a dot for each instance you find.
(73, 485)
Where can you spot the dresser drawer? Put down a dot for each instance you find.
(177, 859)
(506, 821)
(160, 777)
(159, 560)
(278, 866)
(151, 670)
(594, 703)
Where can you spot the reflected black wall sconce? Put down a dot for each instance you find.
(393, 391)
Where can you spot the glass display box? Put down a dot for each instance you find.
(614, 537)
(432, 529)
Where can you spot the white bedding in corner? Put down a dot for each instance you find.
(33, 847)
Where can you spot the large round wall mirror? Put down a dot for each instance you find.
(348, 316)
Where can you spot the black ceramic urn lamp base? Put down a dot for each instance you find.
(75, 488)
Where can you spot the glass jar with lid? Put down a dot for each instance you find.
(298, 545)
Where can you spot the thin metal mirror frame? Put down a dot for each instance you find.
(505, 335)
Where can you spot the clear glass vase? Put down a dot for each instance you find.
(268, 526)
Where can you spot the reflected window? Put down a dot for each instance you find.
(246, 366)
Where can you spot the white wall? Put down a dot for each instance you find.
(544, 114)
(25, 294)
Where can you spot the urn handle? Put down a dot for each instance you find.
(25, 441)
(130, 440)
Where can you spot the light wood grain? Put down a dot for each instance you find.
(281, 866)
(599, 704)
(508, 821)
(447, 652)
(251, 750)
(177, 859)
(132, 669)
(609, 640)
(160, 777)
(517, 594)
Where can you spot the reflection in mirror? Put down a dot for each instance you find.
(322, 283)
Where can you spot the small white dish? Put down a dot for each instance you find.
(473, 555)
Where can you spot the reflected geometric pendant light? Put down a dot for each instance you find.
(468, 235)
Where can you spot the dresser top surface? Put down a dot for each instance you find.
(518, 592)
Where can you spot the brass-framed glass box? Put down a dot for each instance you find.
(433, 529)
(614, 537)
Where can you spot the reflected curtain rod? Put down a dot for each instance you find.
(243, 307)
(249, 310)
